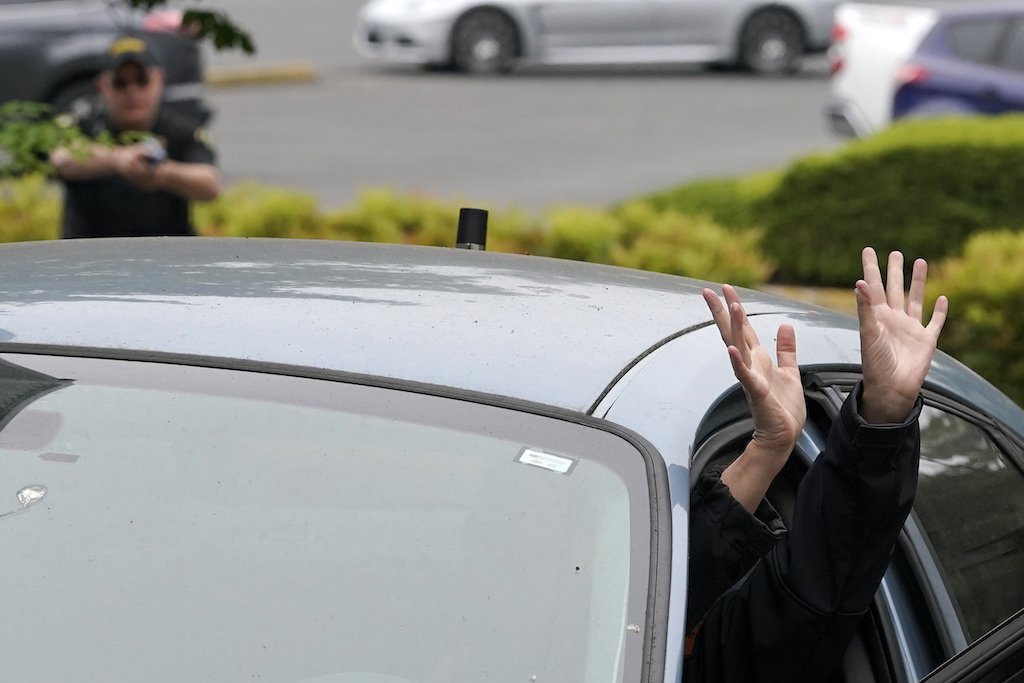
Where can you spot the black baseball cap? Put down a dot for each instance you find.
(132, 49)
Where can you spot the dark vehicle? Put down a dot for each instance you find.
(327, 462)
(971, 62)
(51, 50)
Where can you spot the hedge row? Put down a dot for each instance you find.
(922, 187)
(635, 235)
(985, 327)
(731, 202)
(29, 210)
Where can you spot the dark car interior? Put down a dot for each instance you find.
(881, 650)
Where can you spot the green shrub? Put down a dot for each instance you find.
(693, 246)
(636, 235)
(515, 232)
(581, 234)
(30, 209)
(922, 187)
(985, 327)
(252, 210)
(731, 202)
(382, 215)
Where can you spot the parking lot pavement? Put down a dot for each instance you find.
(538, 137)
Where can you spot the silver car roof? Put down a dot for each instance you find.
(546, 330)
(538, 329)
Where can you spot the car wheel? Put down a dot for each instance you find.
(79, 98)
(771, 43)
(485, 42)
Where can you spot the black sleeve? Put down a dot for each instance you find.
(725, 542)
(197, 148)
(792, 618)
(185, 141)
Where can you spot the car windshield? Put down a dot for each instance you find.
(187, 524)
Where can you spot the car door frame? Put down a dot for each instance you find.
(980, 663)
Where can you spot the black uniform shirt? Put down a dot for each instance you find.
(110, 206)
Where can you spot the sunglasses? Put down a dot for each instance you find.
(122, 84)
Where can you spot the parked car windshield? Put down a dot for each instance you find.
(209, 525)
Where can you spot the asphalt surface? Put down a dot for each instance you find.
(537, 138)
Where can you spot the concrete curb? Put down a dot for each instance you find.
(257, 74)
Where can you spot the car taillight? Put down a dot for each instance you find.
(169, 20)
(911, 73)
(835, 50)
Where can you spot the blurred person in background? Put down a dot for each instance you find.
(142, 189)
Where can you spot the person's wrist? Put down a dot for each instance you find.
(766, 458)
(750, 475)
(879, 405)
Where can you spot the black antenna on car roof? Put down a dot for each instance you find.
(472, 232)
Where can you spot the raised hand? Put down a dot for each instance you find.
(896, 347)
(774, 393)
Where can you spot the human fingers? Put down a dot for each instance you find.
(785, 346)
(872, 275)
(915, 302)
(894, 281)
(738, 319)
(743, 372)
(134, 152)
(865, 309)
(733, 297)
(938, 316)
(719, 313)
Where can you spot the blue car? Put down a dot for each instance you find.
(971, 62)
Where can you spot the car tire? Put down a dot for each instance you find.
(79, 98)
(771, 43)
(485, 41)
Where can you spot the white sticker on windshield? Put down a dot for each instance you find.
(549, 461)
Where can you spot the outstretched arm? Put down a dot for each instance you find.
(188, 180)
(101, 161)
(774, 393)
(793, 616)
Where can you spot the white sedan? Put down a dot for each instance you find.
(766, 37)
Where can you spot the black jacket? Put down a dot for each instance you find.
(793, 616)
